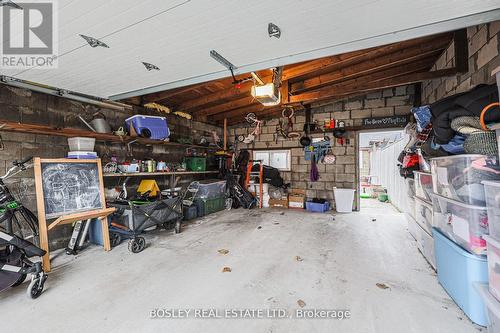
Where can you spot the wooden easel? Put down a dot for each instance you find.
(101, 214)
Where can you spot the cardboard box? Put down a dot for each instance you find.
(282, 203)
(297, 198)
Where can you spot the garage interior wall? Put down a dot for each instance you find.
(342, 174)
(21, 105)
(483, 41)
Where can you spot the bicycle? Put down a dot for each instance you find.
(15, 249)
(12, 212)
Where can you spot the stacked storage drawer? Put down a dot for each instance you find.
(410, 208)
(410, 190)
(491, 295)
(424, 216)
(461, 228)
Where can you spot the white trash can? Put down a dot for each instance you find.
(343, 199)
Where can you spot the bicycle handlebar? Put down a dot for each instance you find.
(23, 162)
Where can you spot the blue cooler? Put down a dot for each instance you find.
(458, 271)
(151, 127)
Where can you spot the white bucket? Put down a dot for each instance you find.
(343, 199)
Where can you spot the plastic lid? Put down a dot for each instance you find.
(491, 303)
(423, 172)
(423, 202)
(491, 183)
(459, 156)
(459, 203)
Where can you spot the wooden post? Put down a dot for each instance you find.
(225, 134)
(42, 222)
(461, 50)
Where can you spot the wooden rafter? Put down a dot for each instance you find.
(329, 78)
(401, 57)
(331, 92)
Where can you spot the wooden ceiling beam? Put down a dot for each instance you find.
(296, 71)
(332, 63)
(238, 119)
(350, 86)
(236, 104)
(164, 95)
(256, 108)
(398, 58)
(332, 92)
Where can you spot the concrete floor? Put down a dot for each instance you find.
(343, 259)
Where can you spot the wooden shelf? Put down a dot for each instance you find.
(11, 126)
(172, 173)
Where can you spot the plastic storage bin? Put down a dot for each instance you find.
(464, 224)
(424, 215)
(459, 177)
(425, 244)
(209, 206)
(410, 208)
(317, 207)
(151, 127)
(82, 155)
(81, 144)
(189, 212)
(494, 265)
(211, 188)
(492, 192)
(492, 307)
(196, 163)
(457, 271)
(412, 226)
(410, 187)
(423, 185)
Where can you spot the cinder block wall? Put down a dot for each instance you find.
(344, 173)
(25, 106)
(484, 49)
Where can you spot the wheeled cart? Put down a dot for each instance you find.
(132, 218)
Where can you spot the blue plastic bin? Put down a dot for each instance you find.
(458, 271)
(317, 207)
(95, 232)
(152, 127)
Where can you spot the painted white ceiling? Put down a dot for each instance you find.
(177, 36)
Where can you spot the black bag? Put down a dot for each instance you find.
(270, 175)
(239, 194)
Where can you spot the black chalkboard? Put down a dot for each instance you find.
(70, 187)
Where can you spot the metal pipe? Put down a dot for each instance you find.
(100, 102)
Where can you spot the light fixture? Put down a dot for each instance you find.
(273, 30)
(267, 94)
(94, 42)
(150, 67)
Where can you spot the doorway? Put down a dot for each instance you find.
(379, 180)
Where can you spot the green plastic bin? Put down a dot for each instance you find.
(209, 206)
(196, 163)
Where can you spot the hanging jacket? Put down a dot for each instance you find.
(469, 103)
